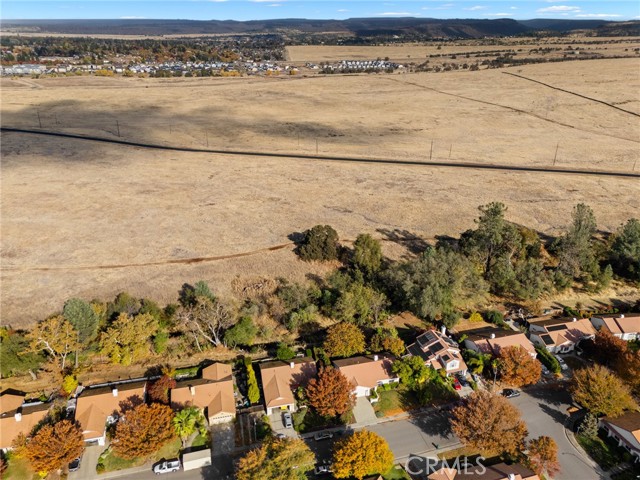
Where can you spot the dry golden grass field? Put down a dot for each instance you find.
(477, 49)
(87, 219)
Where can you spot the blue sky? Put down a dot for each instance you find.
(263, 9)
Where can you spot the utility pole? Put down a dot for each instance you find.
(206, 134)
(39, 119)
(316, 146)
(118, 127)
(450, 148)
(431, 152)
(556, 155)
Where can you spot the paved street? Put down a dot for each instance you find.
(417, 435)
(544, 409)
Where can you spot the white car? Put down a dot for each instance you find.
(322, 470)
(563, 365)
(322, 436)
(167, 466)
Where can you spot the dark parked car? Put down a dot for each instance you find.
(510, 393)
(463, 381)
(75, 465)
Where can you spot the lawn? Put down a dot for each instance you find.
(169, 450)
(393, 402)
(396, 473)
(307, 420)
(19, 469)
(112, 462)
(605, 455)
(200, 441)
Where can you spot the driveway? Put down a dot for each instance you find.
(363, 412)
(88, 463)
(277, 425)
(222, 438)
(544, 410)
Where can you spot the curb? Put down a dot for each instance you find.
(569, 423)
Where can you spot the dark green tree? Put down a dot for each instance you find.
(367, 254)
(284, 352)
(242, 333)
(15, 357)
(625, 250)
(80, 314)
(360, 304)
(320, 243)
(436, 284)
(576, 252)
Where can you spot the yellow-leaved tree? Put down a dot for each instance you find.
(361, 454)
(127, 340)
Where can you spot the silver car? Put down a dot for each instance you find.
(287, 420)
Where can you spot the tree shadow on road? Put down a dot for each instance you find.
(551, 394)
(433, 424)
(556, 415)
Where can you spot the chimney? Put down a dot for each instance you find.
(443, 330)
(18, 417)
(292, 365)
(574, 319)
(192, 389)
(493, 335)
(114, 390)
(622, 315)
(512, 476)
(375, 358)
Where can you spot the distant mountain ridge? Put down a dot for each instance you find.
(431, 27)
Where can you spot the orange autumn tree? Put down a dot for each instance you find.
(54, 446)
(490, 424)
(159, 390)
(361, 454)
(543, 456)
(330, 394)
(143, 430)
(517, 367)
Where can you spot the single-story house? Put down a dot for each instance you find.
(626, 431)
(492, 340)
(560, 335)
(366, 373)
(626, 327)
(213, 393)
(281, 379)
(98, 406)
(439, 352)
(17, 417)
(501, 471)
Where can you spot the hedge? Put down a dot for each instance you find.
(548, 360)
